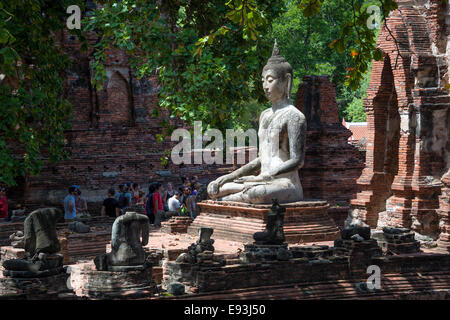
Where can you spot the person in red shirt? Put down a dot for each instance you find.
(157, 204)
(3, 203)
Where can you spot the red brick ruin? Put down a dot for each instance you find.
(405, 182)
(113, 139)
(332, 165)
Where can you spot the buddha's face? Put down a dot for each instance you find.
(274, 86)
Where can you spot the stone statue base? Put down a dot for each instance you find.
(48, 287)
(48, 265)
(304, 221)
(30, 274)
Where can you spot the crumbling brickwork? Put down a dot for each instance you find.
(408, 118)
(332, 165)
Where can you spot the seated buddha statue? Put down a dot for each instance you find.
(282, 133)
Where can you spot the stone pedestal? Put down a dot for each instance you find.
(304, 221)
(88, 282)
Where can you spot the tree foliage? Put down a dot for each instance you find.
(198, 81)
(33, 111)
(208, 55)
(304, 41)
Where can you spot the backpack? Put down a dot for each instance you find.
(149, 204)
(123, 201)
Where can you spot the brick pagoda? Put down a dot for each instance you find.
(408, 115)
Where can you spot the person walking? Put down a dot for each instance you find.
(167, 195)
(3, 203)
(110, 205)
(149, 203)
(158, 208)
(80, 203)
(70, 210)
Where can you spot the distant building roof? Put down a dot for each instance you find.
(358, 129)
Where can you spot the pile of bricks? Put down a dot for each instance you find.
(357, 251)
(312, 252)
(86, 281)
(399, 241)
(33, 288)
(176, 225)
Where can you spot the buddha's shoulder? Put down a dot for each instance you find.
(293, 113)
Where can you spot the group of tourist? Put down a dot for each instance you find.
(156, 202)
(128, 195)
(181, 201)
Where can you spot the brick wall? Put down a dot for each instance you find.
(331, 164)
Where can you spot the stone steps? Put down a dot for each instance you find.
(392, 286)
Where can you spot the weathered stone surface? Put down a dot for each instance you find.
(126, 243)
(176, 288)
(254, 253)
(281, 152)
(348, 232)
(41, 245)
(203, 244)
(399, 241)
(78, 227)
(46, 288)
(17, 239)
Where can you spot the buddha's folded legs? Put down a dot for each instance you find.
(283, 190)
(229, 188)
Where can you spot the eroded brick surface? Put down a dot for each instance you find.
(408, 118)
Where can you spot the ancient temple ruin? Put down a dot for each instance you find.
(405, 179)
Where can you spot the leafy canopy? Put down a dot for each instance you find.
(33, 111)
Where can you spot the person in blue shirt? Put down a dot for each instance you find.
(124, 198)
(70, 210)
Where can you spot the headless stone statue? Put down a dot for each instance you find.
(41, 246)
(274, 233)
(282, 134)
(203, 244)
(126, 244)
(270, 244)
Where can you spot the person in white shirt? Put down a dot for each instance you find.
(174, 203)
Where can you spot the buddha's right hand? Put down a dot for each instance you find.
(214, 186)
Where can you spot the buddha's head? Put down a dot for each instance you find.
(277, 77)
